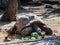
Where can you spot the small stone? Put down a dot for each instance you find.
(48, 6)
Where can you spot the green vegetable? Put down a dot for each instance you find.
(33, 38)
(39, 37)
(43, 36)
(29, 37)
(34, 34)
(6, 38)
(26, 38)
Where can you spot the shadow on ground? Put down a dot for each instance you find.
(54, 13)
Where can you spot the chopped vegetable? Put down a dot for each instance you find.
(26, 38)
(34, 34)
(33, 38)
(6, 38)
(43, 36)
(39, 37)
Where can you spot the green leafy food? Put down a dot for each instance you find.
(26, 38)
(33, 38)
(34, 34)
(43, 36)
(39, 37)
